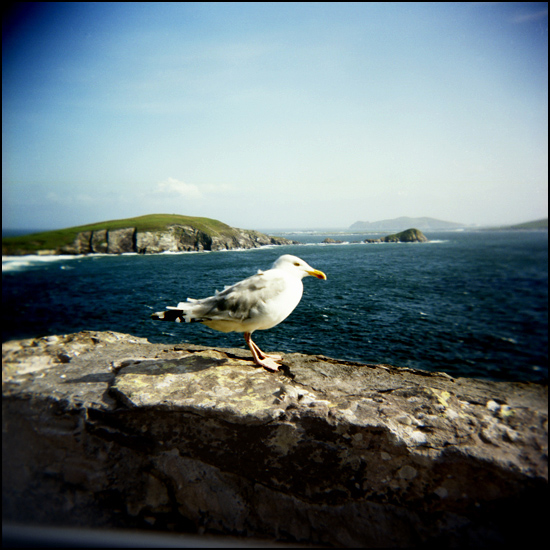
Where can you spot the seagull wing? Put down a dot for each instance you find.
(259, 302)
(240, 301)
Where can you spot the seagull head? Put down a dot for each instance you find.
(298, 266)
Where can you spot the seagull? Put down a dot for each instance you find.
(257, 303)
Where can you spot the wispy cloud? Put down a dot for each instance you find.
(172, 187)
(529, 17)
(177, 188)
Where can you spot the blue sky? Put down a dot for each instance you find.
(275, 115)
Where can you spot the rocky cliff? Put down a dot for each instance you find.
(102, 429)
(175, 238)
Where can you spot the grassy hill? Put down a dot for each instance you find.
(49, 240)
(538, 224)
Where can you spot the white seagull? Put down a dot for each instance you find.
(257, 303)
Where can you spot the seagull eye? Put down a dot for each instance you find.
(296, 264)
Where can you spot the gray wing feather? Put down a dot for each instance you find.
(240, 301)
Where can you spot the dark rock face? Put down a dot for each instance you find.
(410, 236)
(83, 243)
(105, 429)
(99, 241)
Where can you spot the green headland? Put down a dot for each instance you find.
(56, 239)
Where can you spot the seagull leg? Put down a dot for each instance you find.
(268, 362)
(263, 355)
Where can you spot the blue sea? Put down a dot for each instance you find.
(467, 303)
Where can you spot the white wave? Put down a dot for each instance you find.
(20, 263)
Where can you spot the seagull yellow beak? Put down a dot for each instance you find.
(317, 273)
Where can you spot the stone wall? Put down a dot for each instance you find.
(102, 429)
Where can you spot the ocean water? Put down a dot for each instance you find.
(467, 303)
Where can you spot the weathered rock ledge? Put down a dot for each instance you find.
(102, 429)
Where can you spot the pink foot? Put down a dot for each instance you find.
(268, 362)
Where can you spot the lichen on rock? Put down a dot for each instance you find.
(121, 432)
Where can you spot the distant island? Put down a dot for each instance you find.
(151, 234)
(432, 224)
(411, 235)
(403, 223)
(537, 224)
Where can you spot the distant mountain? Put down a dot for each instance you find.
(404, 222)
(538, 224)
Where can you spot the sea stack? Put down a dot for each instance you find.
(411, 235)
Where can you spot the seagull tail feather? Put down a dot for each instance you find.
(176, 315)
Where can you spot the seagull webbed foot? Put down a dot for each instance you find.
(268, 362)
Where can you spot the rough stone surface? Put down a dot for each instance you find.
(102, 429)
(176, 238)
(120, 241)
(99, 242)
(83, 242)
